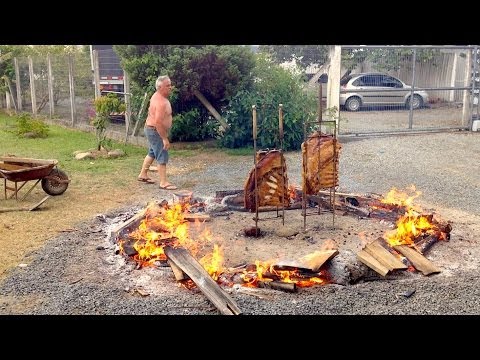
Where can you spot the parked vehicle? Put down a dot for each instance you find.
(378, 89)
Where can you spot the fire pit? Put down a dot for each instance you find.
(204, 243)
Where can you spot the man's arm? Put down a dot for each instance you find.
(160, 113)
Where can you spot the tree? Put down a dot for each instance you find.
(305, 55)
(273, 85)
(217, 72)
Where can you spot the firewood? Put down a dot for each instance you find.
(372, 263)
(384, 256)
(190, 266)
(311, 262)
(193, 217)
(426, 243)
(177, 272)
(278, 285)
(358, 210)
(420, 262)
(134, 219)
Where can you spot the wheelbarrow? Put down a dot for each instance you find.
(21, 171)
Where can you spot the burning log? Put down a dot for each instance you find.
(132, 221)
(190, 266)
(278, 285)
(199, 217)
(420, 262)
(426, 243)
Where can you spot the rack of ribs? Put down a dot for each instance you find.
(272, 181)
(320, 162)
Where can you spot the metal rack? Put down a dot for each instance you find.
(255, 151)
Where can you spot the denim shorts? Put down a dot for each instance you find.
(156, 150)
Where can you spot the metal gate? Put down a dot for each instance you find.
(390, 89)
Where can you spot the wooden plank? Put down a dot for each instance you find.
(384, 256)
(190, 266)
(137, 217)
(372, 263)
(419, 261)
(312, 261)
(211, 109)
(177, 272)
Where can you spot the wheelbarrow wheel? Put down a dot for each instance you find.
(55, 183)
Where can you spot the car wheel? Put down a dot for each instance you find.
(353, 104)
(417, 102)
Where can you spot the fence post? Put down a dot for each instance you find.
(32, 87)
(17, 84)
(466, 96)
(50, 86)
(128, 103)
(333, 84)
(96, 74)
(72, 89)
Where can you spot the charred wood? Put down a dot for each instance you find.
(278, 285)
(190, 266)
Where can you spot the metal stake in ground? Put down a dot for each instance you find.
(280, 133)
(254, 133)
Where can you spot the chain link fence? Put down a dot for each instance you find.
(58, 87)
(61, 88)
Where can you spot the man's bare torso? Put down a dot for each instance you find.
(160, 104)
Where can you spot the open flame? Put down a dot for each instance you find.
(411, 226)
(165, 225)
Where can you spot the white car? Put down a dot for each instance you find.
(378, 89)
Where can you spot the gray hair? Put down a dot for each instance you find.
(160, 80)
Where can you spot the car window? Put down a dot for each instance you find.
(389, 81)
(371, 80)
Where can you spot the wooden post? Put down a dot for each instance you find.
(7, 99)
(140, 112)
(453, 77)
(17, 83)
(127, 97)
(333, 85)
(10, 93)
(50, 86)
(32, 86)
(466, 112)
(210, 108)
(72, 89)
(96, 74)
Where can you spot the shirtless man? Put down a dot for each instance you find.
(157, 125)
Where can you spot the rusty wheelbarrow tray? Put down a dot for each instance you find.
(22, 170)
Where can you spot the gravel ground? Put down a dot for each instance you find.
(77, 273)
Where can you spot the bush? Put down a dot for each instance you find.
(31, 127)
(104, 106)
(273, 86)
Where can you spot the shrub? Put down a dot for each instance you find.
(30, 126)
(273, 86)
(104, 106)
